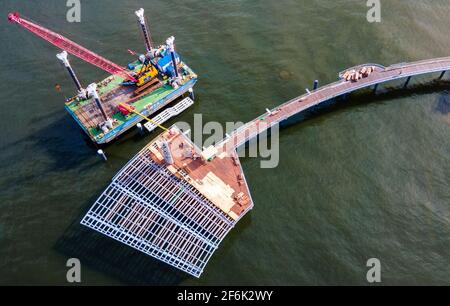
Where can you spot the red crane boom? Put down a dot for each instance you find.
(71, 47)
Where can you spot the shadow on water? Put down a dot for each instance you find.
(114, 258)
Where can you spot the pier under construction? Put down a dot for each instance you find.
(176, 202)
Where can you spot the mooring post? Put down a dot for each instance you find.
(407, 82)
(102, 154)
(316, 84)
(191, 94)
(140, 127)
(442, 75)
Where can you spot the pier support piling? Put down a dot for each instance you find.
(442, 74)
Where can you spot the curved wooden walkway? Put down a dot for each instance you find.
(293, 107)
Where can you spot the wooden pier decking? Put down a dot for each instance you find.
(176, 202)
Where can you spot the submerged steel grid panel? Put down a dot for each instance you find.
(147, 208)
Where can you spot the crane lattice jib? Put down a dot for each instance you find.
(71, 47)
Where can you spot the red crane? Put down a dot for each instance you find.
(72, 47)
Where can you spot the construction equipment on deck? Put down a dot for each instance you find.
(71, 47)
